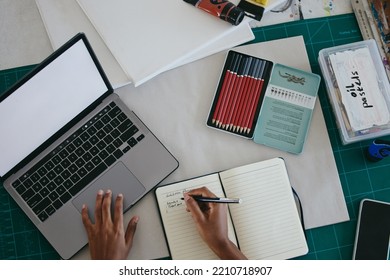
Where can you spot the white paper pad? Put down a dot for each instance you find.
(57, 14)
(149, 37)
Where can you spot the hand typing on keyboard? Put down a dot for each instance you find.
(107, 238)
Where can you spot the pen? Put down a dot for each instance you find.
(215, 199)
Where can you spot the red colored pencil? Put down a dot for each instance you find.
(250, 98)
(222, 94)
(228, 102)
(258, 90)
(246, 94)
(241, 95)
(226, 93)
(236, 93)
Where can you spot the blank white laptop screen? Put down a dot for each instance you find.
(47, 102)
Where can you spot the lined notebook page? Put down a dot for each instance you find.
(184, 241)
(266, 222)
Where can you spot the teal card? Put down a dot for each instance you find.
(287, 109)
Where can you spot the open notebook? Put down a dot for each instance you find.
(266, 224)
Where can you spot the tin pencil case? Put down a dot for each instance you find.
(270, 103)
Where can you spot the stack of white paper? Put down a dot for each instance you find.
(137, 40)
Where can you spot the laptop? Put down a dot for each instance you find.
(65, 135)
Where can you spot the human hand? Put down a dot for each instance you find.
(211, 222)
(107, 237)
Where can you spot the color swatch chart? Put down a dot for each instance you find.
(239, 94)
(294, 97)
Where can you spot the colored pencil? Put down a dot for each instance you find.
(258, 90)
(251, 97)
(226, 81)
(228, 103)
(236, 91)
(225, 95)
(246, 95)
(242, 93)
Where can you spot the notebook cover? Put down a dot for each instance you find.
(287, 109)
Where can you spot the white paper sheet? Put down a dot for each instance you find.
(63, 19)
(148, 37)
(57, 14)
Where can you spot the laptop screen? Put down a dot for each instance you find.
(46, 102)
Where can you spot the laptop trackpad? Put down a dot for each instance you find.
(118, 179)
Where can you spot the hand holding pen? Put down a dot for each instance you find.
(211, 221)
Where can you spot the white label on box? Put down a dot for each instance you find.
(360, 92)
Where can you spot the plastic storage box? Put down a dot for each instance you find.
(358, 90)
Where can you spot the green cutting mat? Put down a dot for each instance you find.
(19, 239)
(359, 177)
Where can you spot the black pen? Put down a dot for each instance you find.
(215, 199)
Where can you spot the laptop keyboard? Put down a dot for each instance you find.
(77, 161)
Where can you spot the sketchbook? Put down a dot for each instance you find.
(64, 18)
(265, 225)
(149, 37)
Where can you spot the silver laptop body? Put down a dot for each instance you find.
(49, 118)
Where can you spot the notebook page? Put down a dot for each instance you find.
(183, 239)
(266, 222)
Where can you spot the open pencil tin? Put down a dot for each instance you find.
(270, 103)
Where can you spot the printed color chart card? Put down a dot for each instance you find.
(287, 109)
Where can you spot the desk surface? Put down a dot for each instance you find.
(19, 239)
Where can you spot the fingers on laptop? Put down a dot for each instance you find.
(98, 210)
(106, 207)
(118, 212)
